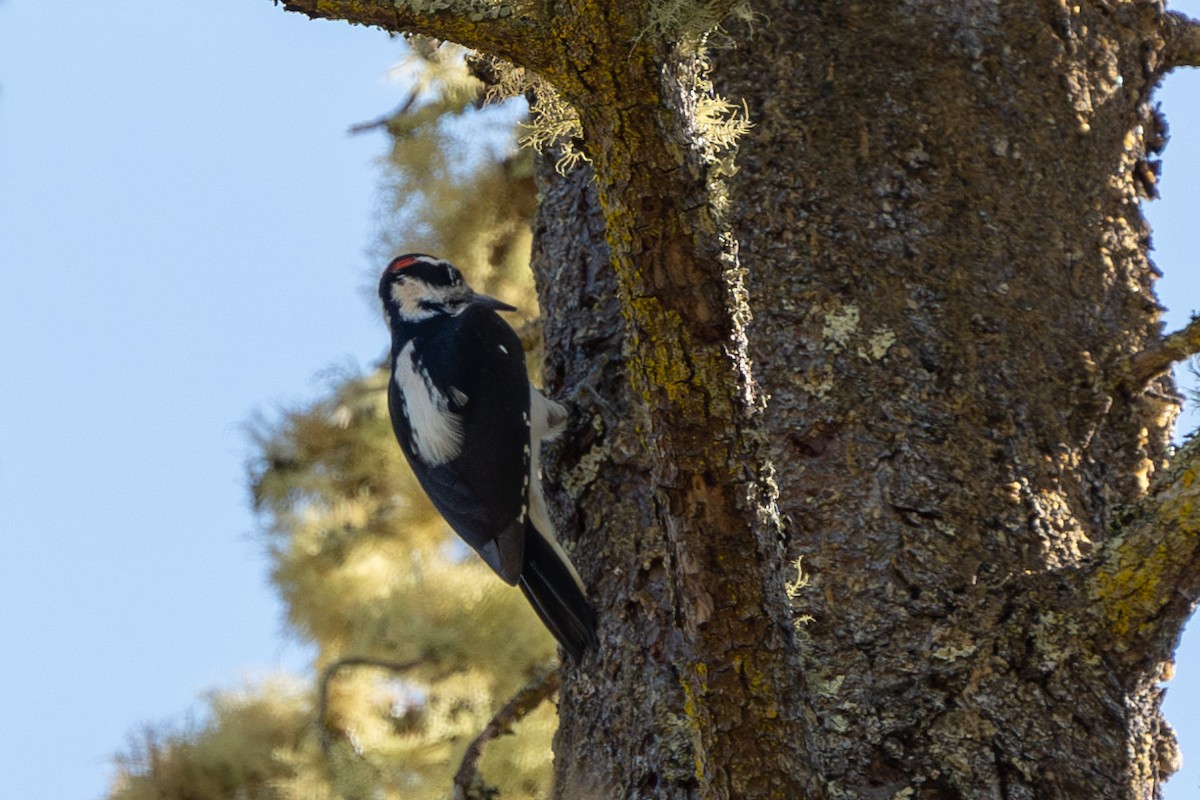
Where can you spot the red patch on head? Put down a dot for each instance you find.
(403, 262)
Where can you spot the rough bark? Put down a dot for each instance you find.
(939, 212)
(649, 718)
(936, 218)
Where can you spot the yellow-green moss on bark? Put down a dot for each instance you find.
(1150, 554)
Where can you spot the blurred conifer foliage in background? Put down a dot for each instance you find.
(417, 644)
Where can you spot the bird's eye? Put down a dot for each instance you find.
(430, 305)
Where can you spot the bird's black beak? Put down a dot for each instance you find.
(491, 302)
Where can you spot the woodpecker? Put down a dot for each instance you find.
(471, 425)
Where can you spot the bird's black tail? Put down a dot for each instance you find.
(554, 592)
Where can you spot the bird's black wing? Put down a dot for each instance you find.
(482, 492)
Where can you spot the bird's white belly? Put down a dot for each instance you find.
(437, 433)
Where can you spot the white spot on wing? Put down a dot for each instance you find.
(436, 430)
(503, 349)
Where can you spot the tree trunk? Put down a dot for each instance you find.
(939, 209)
(694, 692)
(900, 525)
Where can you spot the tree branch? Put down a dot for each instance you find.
(381, 122)
(491, 27)
(524, 701)
(328, 674)
(1146, 579)
(1145, 366)
(1182, 41)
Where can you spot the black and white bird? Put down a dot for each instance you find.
(471, 425)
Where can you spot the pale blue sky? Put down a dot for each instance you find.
(183, 233)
